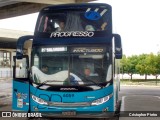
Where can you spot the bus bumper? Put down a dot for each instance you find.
(79, 115)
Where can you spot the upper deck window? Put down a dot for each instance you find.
(80, 19)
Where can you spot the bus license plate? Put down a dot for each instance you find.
(69, 113)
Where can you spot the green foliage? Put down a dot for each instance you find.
(128, 65)
(144, 64)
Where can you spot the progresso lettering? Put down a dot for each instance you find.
(72, 34)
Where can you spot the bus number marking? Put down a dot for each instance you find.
(68, 95)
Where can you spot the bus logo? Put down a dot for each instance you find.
(21, 95)
(68, 89)
(94, 15)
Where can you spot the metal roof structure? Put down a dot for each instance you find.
(8, 37)
(13, 8)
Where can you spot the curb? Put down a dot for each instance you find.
(140, 86)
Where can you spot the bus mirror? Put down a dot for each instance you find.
(20, 45)
(118, 46)
(20, 68)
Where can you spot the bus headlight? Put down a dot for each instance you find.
(39, 100)
(101, 100)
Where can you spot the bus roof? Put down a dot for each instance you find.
(76, 6)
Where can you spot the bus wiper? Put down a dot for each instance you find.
(43, 83)
(94, 82)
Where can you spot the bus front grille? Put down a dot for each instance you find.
(62, 104)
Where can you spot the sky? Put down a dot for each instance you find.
(137, 21)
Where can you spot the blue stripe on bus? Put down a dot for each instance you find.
(61, 41)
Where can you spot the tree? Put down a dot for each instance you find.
(123, 63)
(131, 65)
(128, 65)
(152, 63)
(157, 65)
(144, 64)
(142, 67)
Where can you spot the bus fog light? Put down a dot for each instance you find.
(35, 108)
(105, 110)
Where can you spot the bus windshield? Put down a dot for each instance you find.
(71, 65)
(81, 19)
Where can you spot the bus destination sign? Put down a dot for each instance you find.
(88, 50)
(55, 49)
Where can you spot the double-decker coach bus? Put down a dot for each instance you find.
(69, 67)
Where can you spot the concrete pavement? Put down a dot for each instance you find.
(140, 107)
(134, 99)
(5, 91)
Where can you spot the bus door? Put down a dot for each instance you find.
(20, 90)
